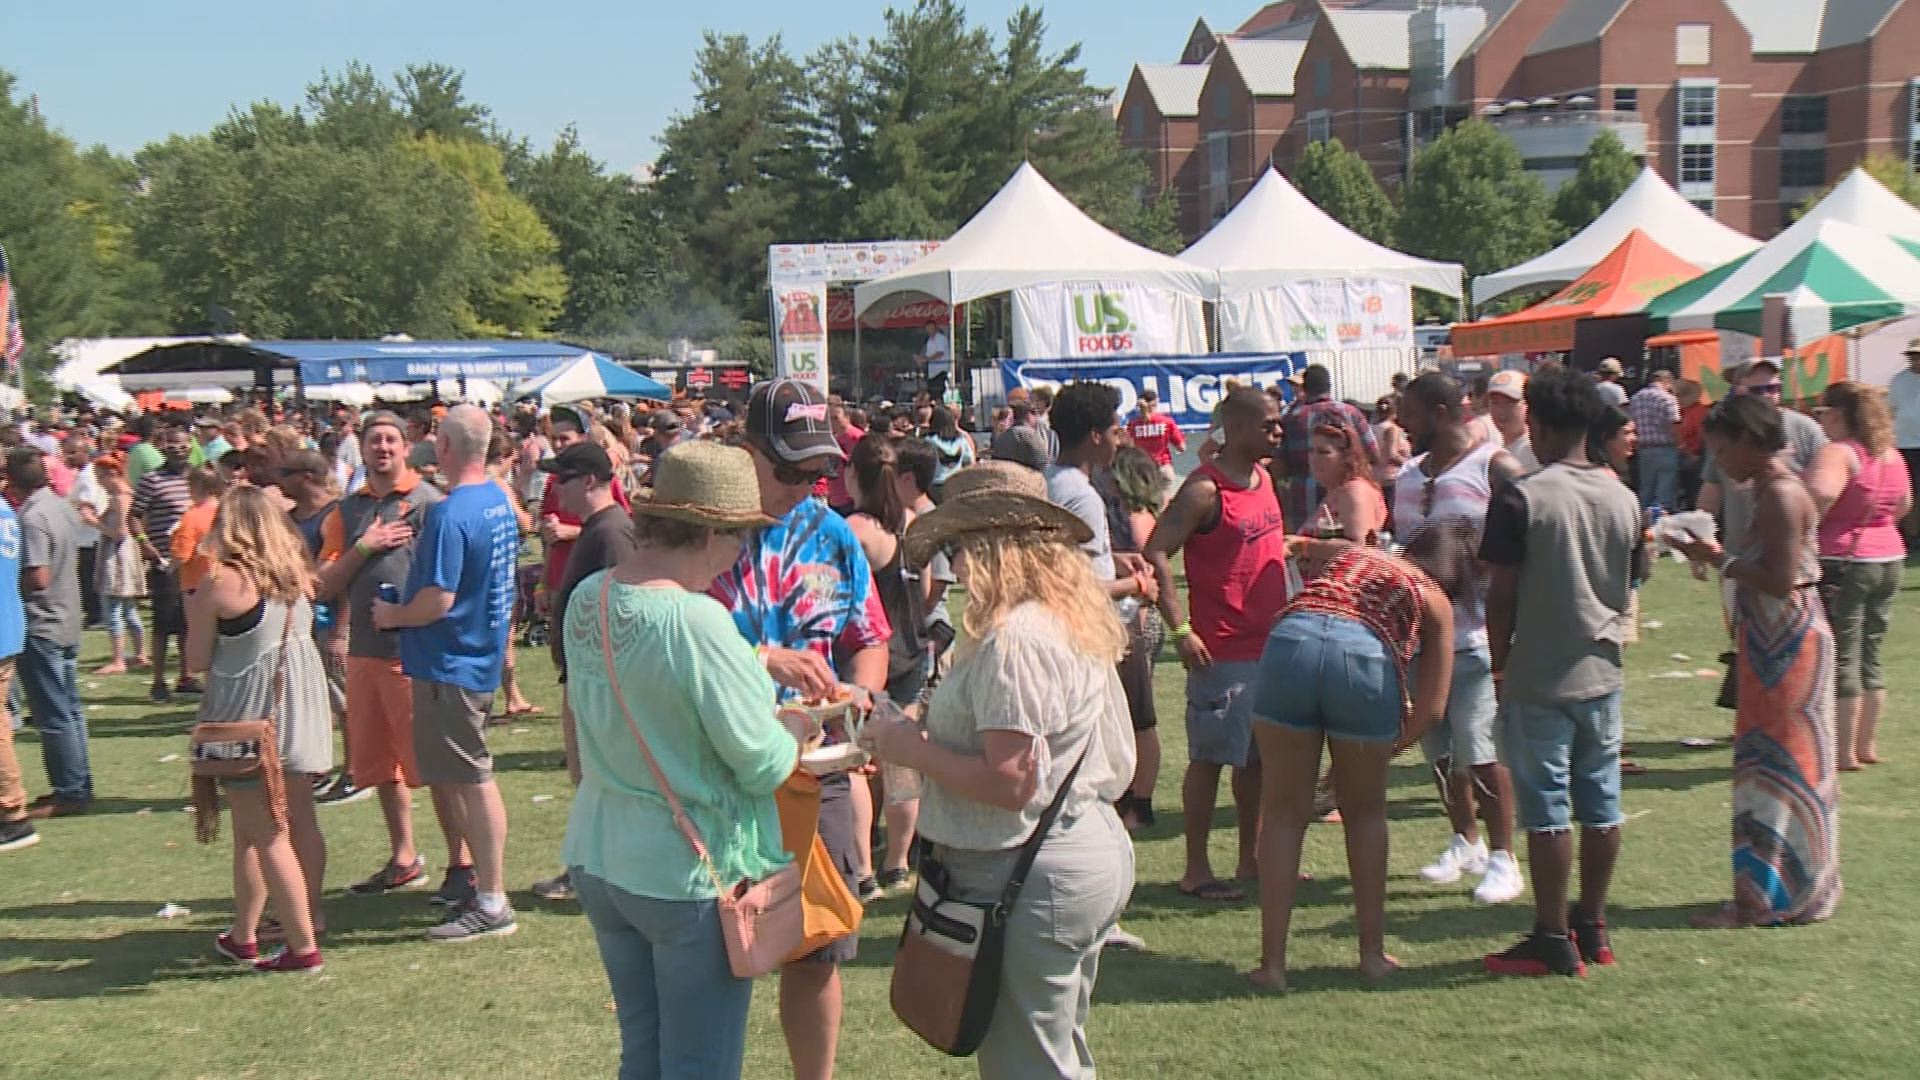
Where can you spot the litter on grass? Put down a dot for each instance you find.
(172, 911)
(1681, 658)
(1671, 675)
(169, 759)
(542, 798)
(1653, 624)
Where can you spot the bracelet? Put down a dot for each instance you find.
(1726, 564)
(1180, 631)
(360, 546)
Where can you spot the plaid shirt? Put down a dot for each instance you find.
(1655, 414)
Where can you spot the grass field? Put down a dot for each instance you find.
(92, 984)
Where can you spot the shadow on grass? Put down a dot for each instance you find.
(517, 760)
(98, 965)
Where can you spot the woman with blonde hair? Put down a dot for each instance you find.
(1032, 715)
(250, 628)
(119, 572)
(1860, 485)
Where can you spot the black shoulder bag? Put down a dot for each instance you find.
(946, 977)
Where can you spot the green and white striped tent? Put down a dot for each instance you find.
(1852, 260)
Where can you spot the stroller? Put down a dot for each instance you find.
(534, 629)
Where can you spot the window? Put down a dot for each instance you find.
(1221, 104)
(1319, 126)
(1913, 125)
(1217, 172)
(1803, 116)
(1697, 106)
(1803, 167)
(1693, 44)
(1137, 121)
(1322, 77)
(1696, 164)
(1626, 99)
(1705, 206)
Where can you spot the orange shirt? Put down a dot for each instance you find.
(194, 526)
(1688, 434)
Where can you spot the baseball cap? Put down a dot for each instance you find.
(584, 458)
(1611, 365)
(1511, 384)
(1024, 445)
(664, 420)
(790, 416)
(1913, 347)
(382, 418)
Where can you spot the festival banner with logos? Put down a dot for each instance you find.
(787, 263)
(1089, 320)
(800, 332)
(1321, 314)
(1189, 386)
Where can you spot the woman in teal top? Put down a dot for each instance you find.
(705, 704)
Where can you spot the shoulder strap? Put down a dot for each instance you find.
(1031, 849)
(680, 817)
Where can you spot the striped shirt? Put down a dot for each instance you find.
(160, 499)
(1655, 413)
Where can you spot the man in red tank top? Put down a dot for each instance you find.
(1228, 522)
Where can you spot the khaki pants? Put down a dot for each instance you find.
(13, 792)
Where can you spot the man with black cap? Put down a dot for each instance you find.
(803, 592)
(558, 527)
(583, 475)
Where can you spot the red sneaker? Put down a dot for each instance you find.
(285, 960)
(248, 953)
(1537, 954)
(1595, 946)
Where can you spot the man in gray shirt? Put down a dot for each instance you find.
(1733, 503)
(49, 666)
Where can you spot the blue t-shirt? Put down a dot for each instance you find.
(13, 611)
(469, 544)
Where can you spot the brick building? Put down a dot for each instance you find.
(1747, 106)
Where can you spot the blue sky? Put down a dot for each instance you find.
(129, 72)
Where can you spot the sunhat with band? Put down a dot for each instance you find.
(705, 483)
(993, 496)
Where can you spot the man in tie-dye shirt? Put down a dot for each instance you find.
(803, 593)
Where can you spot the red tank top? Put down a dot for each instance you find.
(1237, 570)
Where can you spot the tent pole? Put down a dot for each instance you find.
(856, 356)
(953, 359)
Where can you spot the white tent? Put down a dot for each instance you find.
(1030, 234)
(1859, 199)
(1277, 235)
(1648, 204)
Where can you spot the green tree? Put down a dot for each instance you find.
(1606, 170)
(434, 98)
(1470, 200)
(1889, 169)
(354, 108)
(522, 287)
(1339, 182)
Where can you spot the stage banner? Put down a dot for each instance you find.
(789, 264)
(1089, 320)
(800, 333)
(1322, 314)
(1189, 386)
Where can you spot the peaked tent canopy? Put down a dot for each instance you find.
(1277, 235)
(1030, 234)
(591, 377)
(1835, 275)
(1623, 282)
(1648, 204)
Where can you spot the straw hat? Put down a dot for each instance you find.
(705, 483)
(993, 496)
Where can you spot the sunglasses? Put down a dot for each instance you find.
(1773, 388)
(1426, 496)
(794, 476)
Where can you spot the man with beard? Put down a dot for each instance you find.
(1448, 485)
(160, 500)
(1227, 520)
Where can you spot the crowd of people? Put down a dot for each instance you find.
(1456, 567)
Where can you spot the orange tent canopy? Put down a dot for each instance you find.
(1631, 274)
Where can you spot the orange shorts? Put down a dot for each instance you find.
(380, 723)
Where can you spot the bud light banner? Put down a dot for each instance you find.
(1189, 386)
(800, 332)
(1086, 319)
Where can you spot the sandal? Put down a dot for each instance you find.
(1632, 768)
(1214, 891)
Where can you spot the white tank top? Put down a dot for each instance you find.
(1463, 491)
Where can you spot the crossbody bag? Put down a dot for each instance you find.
(240, 750)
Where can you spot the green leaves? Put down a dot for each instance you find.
(1470, 200)
(1340, 183)
(1606, 170)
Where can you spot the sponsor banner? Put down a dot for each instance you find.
(912, 316)
(1189, 386)
(800, 332)
(789, 264)
(1324, 313)
(715, 380)
(1086, 319)
(401, 370)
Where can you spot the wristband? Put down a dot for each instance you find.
(364, 551)
(1726, 564)
(1180, 631)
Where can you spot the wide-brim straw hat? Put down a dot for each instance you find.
(705, 483)
(993, 496)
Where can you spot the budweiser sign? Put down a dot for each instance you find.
(911, 317)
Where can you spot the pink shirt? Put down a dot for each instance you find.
(1861, 526)
(836, 486)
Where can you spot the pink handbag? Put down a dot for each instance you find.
(762, 921)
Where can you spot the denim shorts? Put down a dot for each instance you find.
(1328, 674)
(1219, 720)
(1466, 734)
(1565, 760)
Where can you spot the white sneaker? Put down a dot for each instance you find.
(1461, 857)
(1503, 881)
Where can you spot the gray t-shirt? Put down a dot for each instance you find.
(1804, 440)
(1572, 532)
(1613, 394)
(357, 511)
(1071, 489)
(51, 531)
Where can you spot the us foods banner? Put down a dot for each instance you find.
(1326, 313)
(800, 332)
(1092, 320)
(1189, 386)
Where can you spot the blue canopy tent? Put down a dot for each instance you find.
(238, 362)
(592, 376)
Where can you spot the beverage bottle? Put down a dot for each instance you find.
(900, 783)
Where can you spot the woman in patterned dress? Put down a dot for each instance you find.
(1786, 790)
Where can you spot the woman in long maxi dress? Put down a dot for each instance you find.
(1786, 789)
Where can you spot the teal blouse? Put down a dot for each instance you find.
(706, 705)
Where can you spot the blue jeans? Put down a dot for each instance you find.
(682, 1012)
(1323, 673)
(1565, 760)
(50, 675)
(1660, 477)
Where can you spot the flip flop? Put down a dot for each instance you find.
(528, 710)
(1215, 891)
(1632, 768)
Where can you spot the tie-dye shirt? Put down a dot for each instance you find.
(804, 583)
